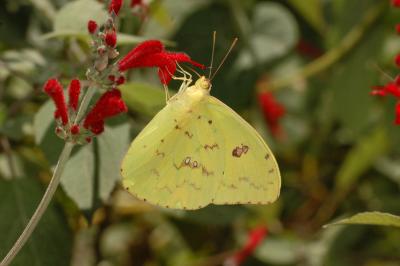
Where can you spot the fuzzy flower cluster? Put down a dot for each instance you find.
(392, 87)
(107, 73)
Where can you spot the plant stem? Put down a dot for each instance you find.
(44, 203)
(332, 56)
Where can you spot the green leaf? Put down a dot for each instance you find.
(50, 243)
(113, 144)
(312, 12)
(273, 33)
(82, 181)
(45, 137)
(78, 176)
(74, 16)
(371, 218)
(143, 98)
(360, 158)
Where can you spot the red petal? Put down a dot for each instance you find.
(141, 50)
(397, 120)
(115, 6)
(74, 90)
(54, 89)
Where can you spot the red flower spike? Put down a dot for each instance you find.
(397, 120)
(54, 89)
(396, 3)
(152, 54)
(74, 90)
(75, 130)
(273, 111)
(92, 26)
(120, 80)
(109, 104)
(115, 6)
(111, 39)
(254, 239)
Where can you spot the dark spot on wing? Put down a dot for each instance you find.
(210, 122)
(239, 151)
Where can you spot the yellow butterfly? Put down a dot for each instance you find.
(197, 151)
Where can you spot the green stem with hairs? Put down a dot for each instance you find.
(51, 188)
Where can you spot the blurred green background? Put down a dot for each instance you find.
(339, 151)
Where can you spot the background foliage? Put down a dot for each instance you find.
(339, 154)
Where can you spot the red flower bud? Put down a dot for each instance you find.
(109, 104)
(111, 39)
(136, 3)
(54, 89)
(115, 6)
(74, 90)
(92, 26)
(120, 80)
(75, 129)
(111, 77)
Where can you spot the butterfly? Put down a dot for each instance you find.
(197, 151)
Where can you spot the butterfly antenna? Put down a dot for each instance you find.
(197, 73)
(225, 57)
(212, 53)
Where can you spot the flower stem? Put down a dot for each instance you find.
(332, 56)
(51, 188)
(44, 203)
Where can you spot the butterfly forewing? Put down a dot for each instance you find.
(191, 155)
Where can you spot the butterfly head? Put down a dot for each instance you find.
(203, 83)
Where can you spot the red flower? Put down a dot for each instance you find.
(397, 60)
(54, 89)
(92, 26)
(109, 104)
(152, 54)
(396, 3)
(392, 88)
(254, 239)
(111, 39)
(115, 6)
(74, 90)
(272, 111)
(397, 28)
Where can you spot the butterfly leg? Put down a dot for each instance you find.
(167, 96)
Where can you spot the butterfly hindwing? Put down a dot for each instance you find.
(189, 156)
(251, 174)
